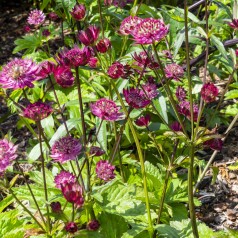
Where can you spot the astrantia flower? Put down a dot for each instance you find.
(77, 57)
(73, 193)
(89, 36)
(234, 24)
(128, 25)
(106, 110)
(175, 126)
(96, 151)
(18, 73)
(135, 98)
(184, 109)
(7, 154)
(64, 177)
(103, 45)
(71, 227)
(93, 62)
(105, 170)
(174, 71)
(150, 90)
(45, 68)
(180, 93)
(209, 92)
(78, 12)
(145, 60)
(56, 207)
(65, 149)
(116, 70)
(214, 144)
(36, 17)
(143, 121)
(26, 28)
(63, 76)
(149, 30)
(37, 111)
(53, 16)
(121, 3)
(93, 225)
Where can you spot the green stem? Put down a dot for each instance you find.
(44, 178)
(101, 20)
(143, 172)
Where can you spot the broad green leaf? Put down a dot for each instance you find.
(230, 110)
(231, 94)
(134, 231)
(44, 4)
(178, 41)
(6, 202)
(167, 231)
(35, 152)
(112, 226)
(160, 105)
(102, 133)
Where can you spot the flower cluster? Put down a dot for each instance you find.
(64, 177)
(7, 154)
(174, 71)
(37, 111)
(184, 109)
(36, 17)
(18, 73)
(116, 70)
(105, 170)
(106, 110)
(209, 92)
(65, 149)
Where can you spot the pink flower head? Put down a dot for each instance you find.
(18, 73)
(143, 121)
(103, 45)
(53, 16)
(116, 70)
(150, 90)
(96, 151)
(174, 71)
(184, 109)
(63, 76)
(73, 193)
(64, 177)
(175, 126)
(37, 111)
(105, 170)
(143, 59)
(93, 62)
(93, 225)
(234, 24)
(26, 28)
(36, 17)
(78, 12)
(149, 30)
(180, 93)
(214, 144)
(128, 25)
(209, 92)
(77, 57)
(136, 98)
(7, 154)
(89, 36)
(65, 149)
(56, 207)
(106, 110)
(45, 68)
(71, 227)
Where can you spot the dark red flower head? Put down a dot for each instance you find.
(214, 144)
(103, 45)
(78, 12)
(56, 207)
(71, 227)
(63, 76)
(209, 92)
(116, 70)
(234, 24)
(96, 151)
(143, 121)
(93, 225)
(89, 36)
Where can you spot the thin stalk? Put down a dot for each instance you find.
(62, 31)
(32, 194)
(125, 38)
(214, 154)
(44, 178)
(72, 211)
(60, 108)
(81, 106)
(26, 209)
(166, 182)
(192, 149)
(139, 151)
(101, 20)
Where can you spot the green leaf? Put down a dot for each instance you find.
(219, 45)
(6, 202)
(135, 230)
(231, 94)
(102, 134)
(215, 171)
(160, 105)
(230, 110)
(167, 231)
(35, 152)
(178, 41)
(44, 4)
(112, 226)
(28, 42)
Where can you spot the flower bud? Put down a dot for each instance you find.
(78, 12)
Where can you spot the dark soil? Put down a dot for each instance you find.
(219, 208)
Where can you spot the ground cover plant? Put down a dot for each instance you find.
(120, 116)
